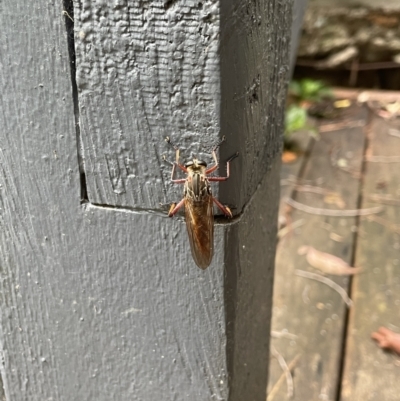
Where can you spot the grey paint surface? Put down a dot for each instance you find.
(145, 70)
(99, 303)
(254, 67)
(192, 70)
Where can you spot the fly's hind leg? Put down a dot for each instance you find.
(175, 207)
(224, 209)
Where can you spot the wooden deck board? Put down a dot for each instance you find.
(290, 171)
(370, 373)
(307, 309)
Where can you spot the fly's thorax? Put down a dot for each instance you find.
(197, 187)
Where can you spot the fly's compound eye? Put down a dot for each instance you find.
(201, 163)
(188, 164)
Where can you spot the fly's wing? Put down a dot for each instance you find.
(200, 227)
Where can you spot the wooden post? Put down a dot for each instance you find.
(100, 296)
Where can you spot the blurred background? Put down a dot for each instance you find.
(336, 307)
(351, 43)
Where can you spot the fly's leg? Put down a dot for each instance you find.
(174, 164)
(214, 156)
(227, 169)
(224, 209)
(183, 168)
(175, 207)
(175, 181)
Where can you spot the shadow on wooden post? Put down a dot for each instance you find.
(254, 72)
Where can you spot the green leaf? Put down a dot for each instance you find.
(295, 119)
(309, 89)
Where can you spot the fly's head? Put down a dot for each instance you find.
(196, 166)
(197, 187)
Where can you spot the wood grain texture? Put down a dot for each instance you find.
(187, 69)
(370, 373)
(308, 309)
(254, 63)
(96, 302)
(145, 70)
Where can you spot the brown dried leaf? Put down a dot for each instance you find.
(387, 339)
(333, 198)
(288, 157)
(327, 263)
(336, 237)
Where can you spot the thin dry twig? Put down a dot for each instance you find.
(394, 132)
(278, 383)
(330, 196)
(336, 237)
(328, 282)
(340, 125)
(385, 199)
(315, 190)
(290, 227)
(305, 296)
(284, 367)
(283, 334)
(383, 159)
(311, 188)
(293, 180)
(332, 212)
(386, 223)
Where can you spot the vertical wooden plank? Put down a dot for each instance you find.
(369, 372)
(309, 314)
(145, 70)
(39, 197)
(249, 265)
(254, 68)
(192, 70)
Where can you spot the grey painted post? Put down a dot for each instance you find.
(100, 298)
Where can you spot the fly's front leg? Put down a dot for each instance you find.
(183, 168)
(175, 207)
(175, 181)
(227, 170)
(174, 164)
(214, 156)
(224, 209)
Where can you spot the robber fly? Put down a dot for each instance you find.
(198, 202)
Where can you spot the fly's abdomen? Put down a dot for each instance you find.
(200, 227)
